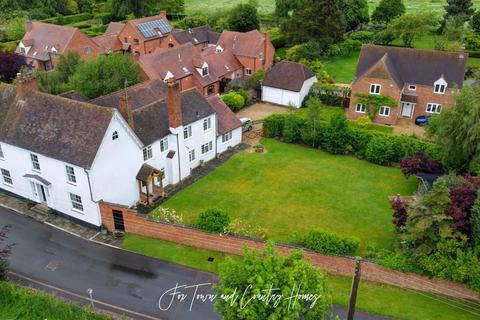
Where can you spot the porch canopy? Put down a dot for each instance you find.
(38, 179)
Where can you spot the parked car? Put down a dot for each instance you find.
(247, 124)
(422, 120)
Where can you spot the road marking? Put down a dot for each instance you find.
(84, 298)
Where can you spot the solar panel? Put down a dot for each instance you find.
(154, 28)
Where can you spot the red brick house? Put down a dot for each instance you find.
(43, 43)
(144, 35)
(421, 82)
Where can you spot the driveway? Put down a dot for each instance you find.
(260, 110)
(122, 282)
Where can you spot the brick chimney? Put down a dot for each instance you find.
(266, 39)
(28, 25)
(162, 14)
(26, 83)
(174, 104)
(125, 109)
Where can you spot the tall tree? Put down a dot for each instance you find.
(320, 21)
(356, 13)
(387, 10)
(105, 74)
(120, 8)
(461, 9)
(276, 275)
(243, 18)
(412, 26)
(457, 131)
(284, 7)
(10, 65)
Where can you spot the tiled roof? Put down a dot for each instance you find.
(227, 120)
(180, 62)
(287, 75)
(60, 128)
(248, 44)
(149, 107)
(222, 63)
(415, 66)
(114, 27)
(108, 42)
(44, 36)
(196, 35)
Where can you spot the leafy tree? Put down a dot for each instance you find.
(462, 9)
(194, 21)
(387, 10)
(427, 222)
(399, 212)
(475, 23)
(355, 12)
(10, 66)
(105, 74)
(409, 27)
(120, 9)
(58, 81)
(462, 200)
(457, 131)
(269, 272)
(475, 220)
(15, 28)
(5, 252)
(284, 7)
(319, 21)
(243, 18)
(420, 162)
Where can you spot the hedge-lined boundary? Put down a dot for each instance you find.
(374, 146)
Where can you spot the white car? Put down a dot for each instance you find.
(247, 124)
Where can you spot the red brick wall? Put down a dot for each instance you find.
(139, 225)
(79, 42)
(388, 88)
(426, 95)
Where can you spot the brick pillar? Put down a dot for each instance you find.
(125, 109)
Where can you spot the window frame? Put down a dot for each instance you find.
(2, 155)
(384, 109)
(70, 175)
(440, 87)
(432, 105)
(147, 153)
(412, 87)
(115, 135)
(187, 132)
(6, 174)
(207, 124)
(205, 146)
(248, 71)
(363, 108)
(76, 202)
(227, 136)
(35, 162)
(191, 155)
(164, 144)
(375, 85)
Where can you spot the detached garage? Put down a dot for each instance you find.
(287, 83)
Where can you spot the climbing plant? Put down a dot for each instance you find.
(373, 102)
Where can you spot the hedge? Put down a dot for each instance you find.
(374, 146)
(328, 243)
(64, 20)
(105, 17)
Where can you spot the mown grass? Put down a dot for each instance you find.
(291, 189)
(27, 304)
(373, 297)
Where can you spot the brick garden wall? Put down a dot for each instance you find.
(137, 224)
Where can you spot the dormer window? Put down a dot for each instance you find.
(22, 50)
(205, 71)
(115, 135)
(412, 87)
(218, 49)
(440, 86)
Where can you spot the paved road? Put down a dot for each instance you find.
(122, 281)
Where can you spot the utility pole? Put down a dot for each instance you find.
(353, 293)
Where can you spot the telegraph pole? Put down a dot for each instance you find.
(353, 293)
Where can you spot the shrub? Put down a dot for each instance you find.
(399, 212)
(331, 99)
(213, 220)
(475, 220)
(328, 243)
(364, 122)
(462, 199)
(259, 75)
(246, 96)
(337, 135)
(420, 163)
(384, 37)
(395, 260)
(383, 150)
(343, 48)
(5, 252)
(363, 36)
(307, 51)
(274, 125)
(161, 214)
(292, 128)
(241, 227)
(233, 100)
(106, 17)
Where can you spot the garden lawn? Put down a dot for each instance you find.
(212, 6)
(26, 304)
(373, 297)
(291, 189)
(342, 69)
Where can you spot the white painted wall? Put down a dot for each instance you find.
(114, 170)
(200, 137)
(18, 162)
(236, 139)
(286, 97)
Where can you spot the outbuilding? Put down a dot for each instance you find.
(287, 83)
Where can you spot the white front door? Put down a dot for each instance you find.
(407, 109)
(40, 192)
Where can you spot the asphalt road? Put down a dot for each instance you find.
(121, 281)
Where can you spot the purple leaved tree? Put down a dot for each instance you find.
(5, 251)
